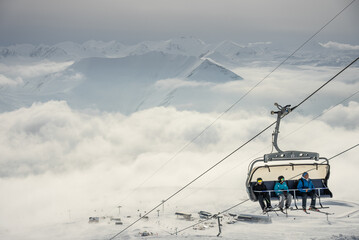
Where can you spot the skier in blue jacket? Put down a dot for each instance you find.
(306, 187)
(281, 190)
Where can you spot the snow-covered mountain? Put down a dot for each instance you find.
(114, 76)
(189, 46)
(231, 53)
(227, 53)
(184, 46)
(212, 72)
(63, 51)
(73, 51)
(148, 66)
(229, 48)
(124, 84)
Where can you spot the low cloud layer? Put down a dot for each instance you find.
(177, 83)
(344, 116)
(60, 164)
(53, 138)
(35, 69)
(59, 139)
(339, 46)
(6, 81)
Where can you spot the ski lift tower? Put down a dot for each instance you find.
(119, 210)
(163, 206)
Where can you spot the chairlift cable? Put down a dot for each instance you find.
(230, 154)
(332, 157)
(328, 160)
(213, 216)
(295, 51)
(344, 151)
(319, 115)
(175, 155)
(240, 99)
(326, 83)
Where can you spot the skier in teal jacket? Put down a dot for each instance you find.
(281, 189)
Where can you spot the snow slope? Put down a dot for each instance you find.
(212, 72)
(152, 65)
(129, 82)
(297, 225)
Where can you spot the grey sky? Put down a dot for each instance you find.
(132, 21)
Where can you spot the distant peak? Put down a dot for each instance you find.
(210, 71)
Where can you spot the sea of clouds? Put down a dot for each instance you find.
(61, 163)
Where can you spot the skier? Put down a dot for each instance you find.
(260, 191)
(306, 187)
(281, 190)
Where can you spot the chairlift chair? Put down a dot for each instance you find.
(290, 164)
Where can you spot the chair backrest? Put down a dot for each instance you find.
(319, 172)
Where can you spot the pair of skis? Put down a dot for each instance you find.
(317, 210)
(307, 211)
(275, 210)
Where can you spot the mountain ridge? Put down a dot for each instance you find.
(126, 84)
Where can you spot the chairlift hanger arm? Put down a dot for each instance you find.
(283, 111)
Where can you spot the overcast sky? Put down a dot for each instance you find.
(133, 21)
